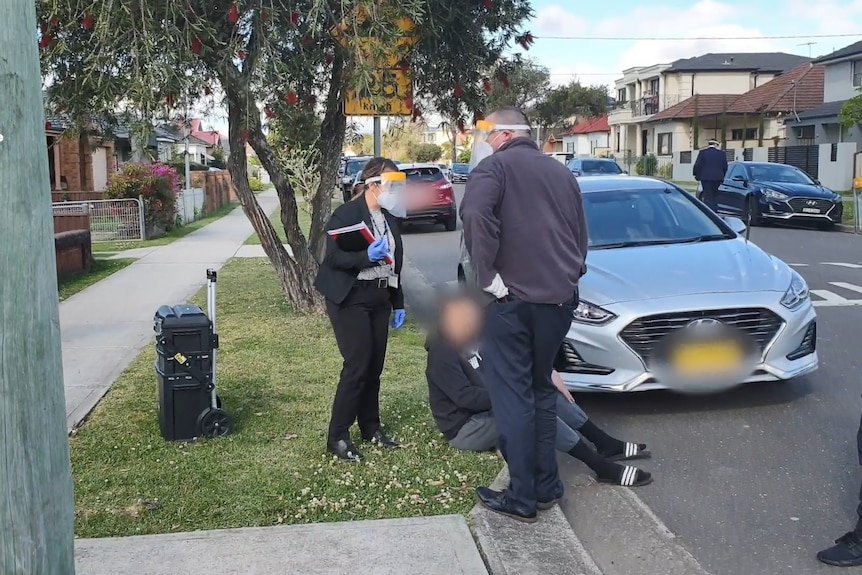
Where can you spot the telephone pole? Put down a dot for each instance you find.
(36, 500)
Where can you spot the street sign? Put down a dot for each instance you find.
(857, 183)
(391, 94)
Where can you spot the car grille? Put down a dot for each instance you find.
(799, 203)
(644, 333)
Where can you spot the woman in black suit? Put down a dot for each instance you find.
(362, 289)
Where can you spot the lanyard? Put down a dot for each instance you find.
(385, 227)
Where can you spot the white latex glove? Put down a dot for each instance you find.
(497, 288)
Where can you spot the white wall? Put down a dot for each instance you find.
(686, 84)
(838, 82)
(100, 168)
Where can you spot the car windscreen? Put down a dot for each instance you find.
(423, 174)
(778, 173)
(354, 168)
(596, 167)
(460, 168)
(627, 218)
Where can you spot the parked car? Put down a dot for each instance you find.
(350, 167)
(447, 173)
(460, 172)
(767, 191)
(581, 167)
(675, 298)
(562, 157)
(430, 197)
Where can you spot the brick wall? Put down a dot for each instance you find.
(217, 186)
(71, 222)
(74, 253)
(76, 161)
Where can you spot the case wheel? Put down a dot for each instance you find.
(214, 422)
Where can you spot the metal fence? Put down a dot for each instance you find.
(110, 220)
(805, 158)
(190, 205)
(648, 165)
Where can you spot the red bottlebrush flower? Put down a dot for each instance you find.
(487, 4)
(47, 125)
(54, 22)
(291, 98)
(294, 18)
(196, 45)
(43, 26)
(457, 91)
(525, 40)
(87, 22)
(232, 13)
(478, 116)
(328, 58)
(307, 40)
(268, 111)
(264, 15)
(241, 54)
(486, 85)
(408, 103)
(45, 41)
(503, 78)
(169, 100)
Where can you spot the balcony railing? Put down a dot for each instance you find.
(647, 105)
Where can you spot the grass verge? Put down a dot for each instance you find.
(275, 219)
(101, 270)
(169, 237)
(277, 374)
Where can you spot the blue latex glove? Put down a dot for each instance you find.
(398, 318)
(378, 250)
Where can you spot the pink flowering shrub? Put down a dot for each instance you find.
(157, 184)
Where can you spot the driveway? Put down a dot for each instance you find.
(756, 480)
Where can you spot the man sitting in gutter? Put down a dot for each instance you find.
(462, 408)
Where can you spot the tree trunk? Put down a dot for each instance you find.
(295, 274)
(332, 132)
(36, 493)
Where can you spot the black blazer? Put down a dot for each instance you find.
(338, 271)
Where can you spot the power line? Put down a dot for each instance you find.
(682, 38)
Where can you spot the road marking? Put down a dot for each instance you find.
(843, 265)
(847, 286)
(829, 298)
(798, 265)
(836, 303)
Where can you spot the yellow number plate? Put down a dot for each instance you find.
(712, 358)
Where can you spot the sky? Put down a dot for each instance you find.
(698, 27)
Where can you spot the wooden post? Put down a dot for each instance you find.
(36, 501)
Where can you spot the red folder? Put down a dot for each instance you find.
(356, 238)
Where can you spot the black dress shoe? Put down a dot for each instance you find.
(381, 439)
(847, 551)
(498, 502)
(545, 505)
(344, 449)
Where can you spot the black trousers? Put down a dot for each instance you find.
(520, 343)
(710, 194)
(361, 326)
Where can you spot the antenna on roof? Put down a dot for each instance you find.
(809, 44)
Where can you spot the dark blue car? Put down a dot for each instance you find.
(581, 167)
(777, 192)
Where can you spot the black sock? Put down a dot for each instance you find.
(605, 444)
(601, 466)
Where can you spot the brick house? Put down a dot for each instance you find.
(78, 164)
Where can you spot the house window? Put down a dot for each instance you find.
(570, 147)
(857, 73)
(665, 144)
(617, 138)
(743, 134)
(653, 87)
(805, 134)
(622, 96)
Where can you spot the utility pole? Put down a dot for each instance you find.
(36, 500)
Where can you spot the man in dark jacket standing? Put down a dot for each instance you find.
(525, 232)
(847, 551)
(710, 168)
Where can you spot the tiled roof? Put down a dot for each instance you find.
(851, 50)
(699, 105)
(590, 126)
(796, 90)
(745, 61)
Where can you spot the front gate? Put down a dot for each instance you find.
(110, 220)
(805, 158)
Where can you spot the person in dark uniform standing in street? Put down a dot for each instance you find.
(847, 551)
(362, 290)
(710, 168)
(525, 232)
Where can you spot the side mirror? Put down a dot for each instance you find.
(740, 179)
(737, 225)
(576, 172)
(818, 182)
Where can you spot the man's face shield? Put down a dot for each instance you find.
(484, 133)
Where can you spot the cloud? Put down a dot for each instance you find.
(555, 20)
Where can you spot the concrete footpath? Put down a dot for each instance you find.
(105, 326)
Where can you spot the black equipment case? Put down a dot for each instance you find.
(186, 344)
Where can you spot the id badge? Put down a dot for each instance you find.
(474, 362)
(393, 282)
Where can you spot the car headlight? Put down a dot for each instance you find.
(796, 293)
(774, 195)
(590, 314)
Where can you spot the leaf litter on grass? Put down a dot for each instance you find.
(276, 376)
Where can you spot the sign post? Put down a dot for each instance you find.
(857, 203)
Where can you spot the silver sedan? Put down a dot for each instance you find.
(676, 298)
